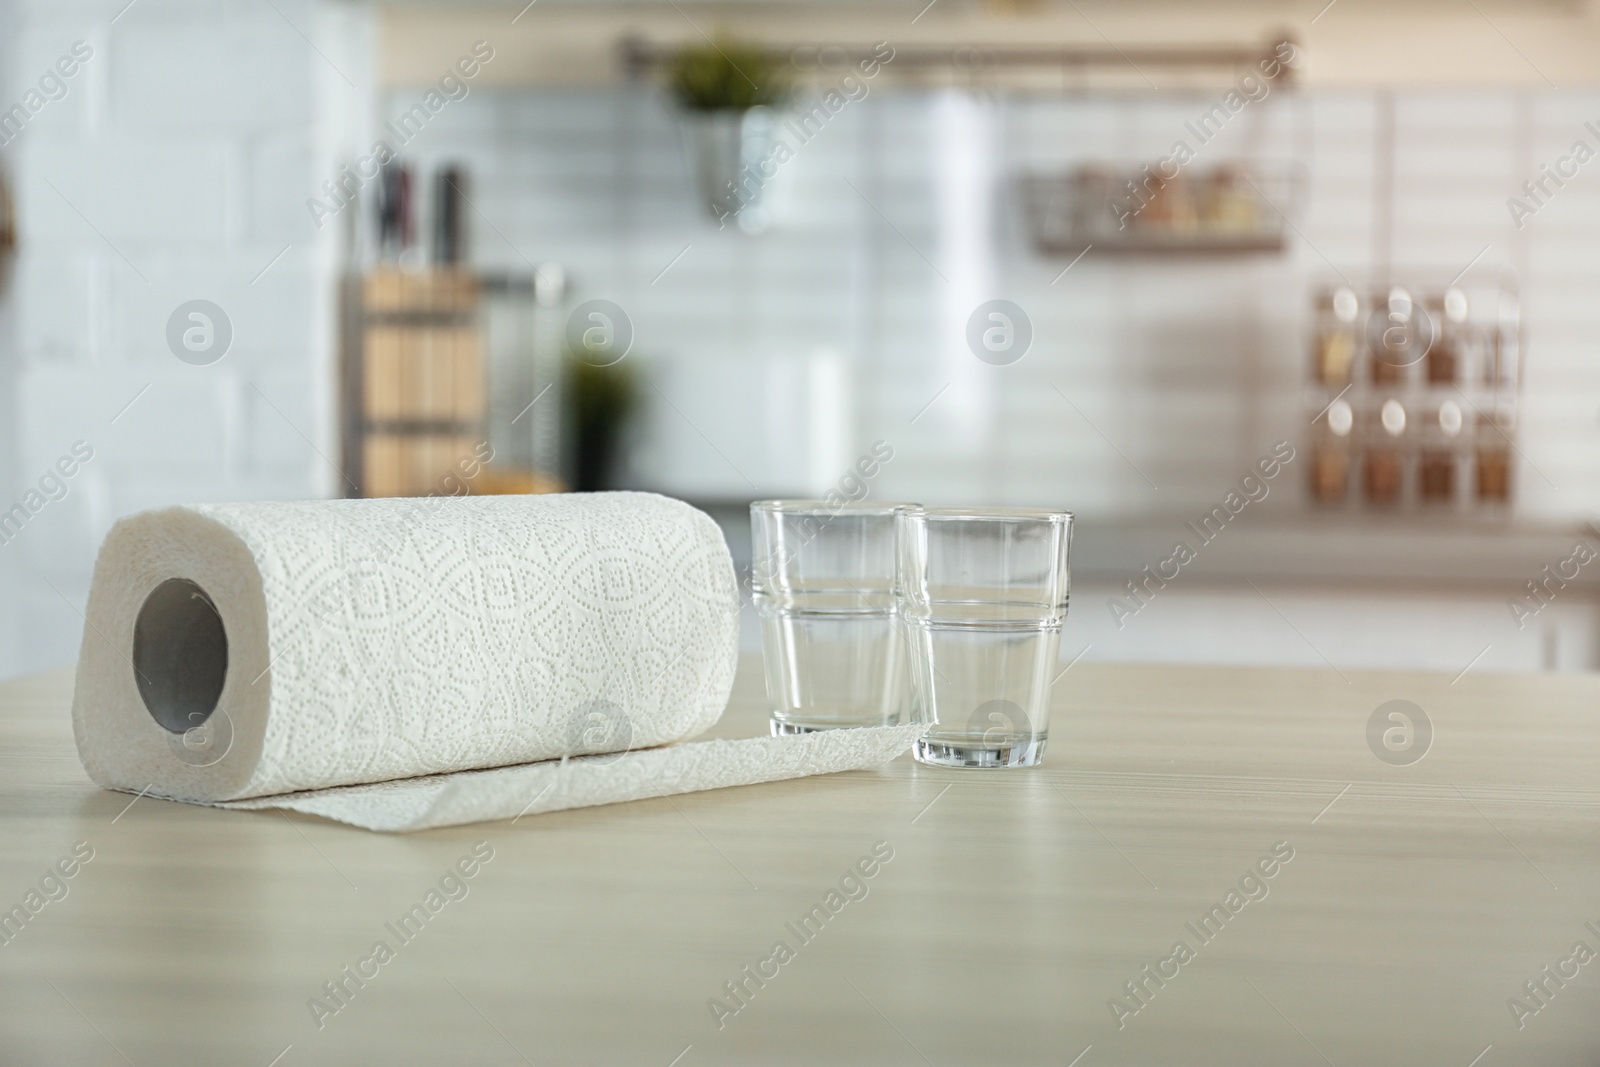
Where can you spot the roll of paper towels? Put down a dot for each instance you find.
(451, 659)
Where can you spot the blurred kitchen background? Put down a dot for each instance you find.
(1377, 245)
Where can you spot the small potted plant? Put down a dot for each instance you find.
(599, 402)
(728, 90)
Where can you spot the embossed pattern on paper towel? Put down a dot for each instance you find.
(412, 639)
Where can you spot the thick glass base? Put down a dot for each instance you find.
(789, 727)
(980, 754)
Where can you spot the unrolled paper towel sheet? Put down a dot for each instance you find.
(586, 781)
(401, 664)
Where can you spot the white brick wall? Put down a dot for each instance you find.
(176, 167)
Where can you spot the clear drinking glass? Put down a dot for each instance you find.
(983, 594)
(822, 577)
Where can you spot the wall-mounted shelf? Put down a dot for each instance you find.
(639, 57)
(1218, 210)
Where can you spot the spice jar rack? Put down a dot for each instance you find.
(1414, 393)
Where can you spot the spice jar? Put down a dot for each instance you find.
(1445, 357)
(1337, 338)
(1171, 207)
(1229, 205)
(1437, 466)
(1384, 372)
(1335, 354)
(1330, 456)
(1383, 467)
(1493, 455)
(1400, 331)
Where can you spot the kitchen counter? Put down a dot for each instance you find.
(1343, 548)
(1274, 542)
(1378, 914)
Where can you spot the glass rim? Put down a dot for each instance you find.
(817, 506)
(997, 514)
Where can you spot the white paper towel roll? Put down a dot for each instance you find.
(246, 652)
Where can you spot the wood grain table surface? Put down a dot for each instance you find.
(1332, 908)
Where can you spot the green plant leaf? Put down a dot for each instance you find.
(727, 75)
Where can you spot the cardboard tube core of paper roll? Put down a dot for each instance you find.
(180, 655)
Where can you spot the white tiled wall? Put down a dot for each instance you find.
(179, 163)
(175, 168)
(1179, 373)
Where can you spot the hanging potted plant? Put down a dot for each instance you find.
(728, 90)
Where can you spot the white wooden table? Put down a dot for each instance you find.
(1418, 901)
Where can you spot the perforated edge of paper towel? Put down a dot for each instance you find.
(588, 781)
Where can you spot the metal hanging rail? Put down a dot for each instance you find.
(639, 56)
